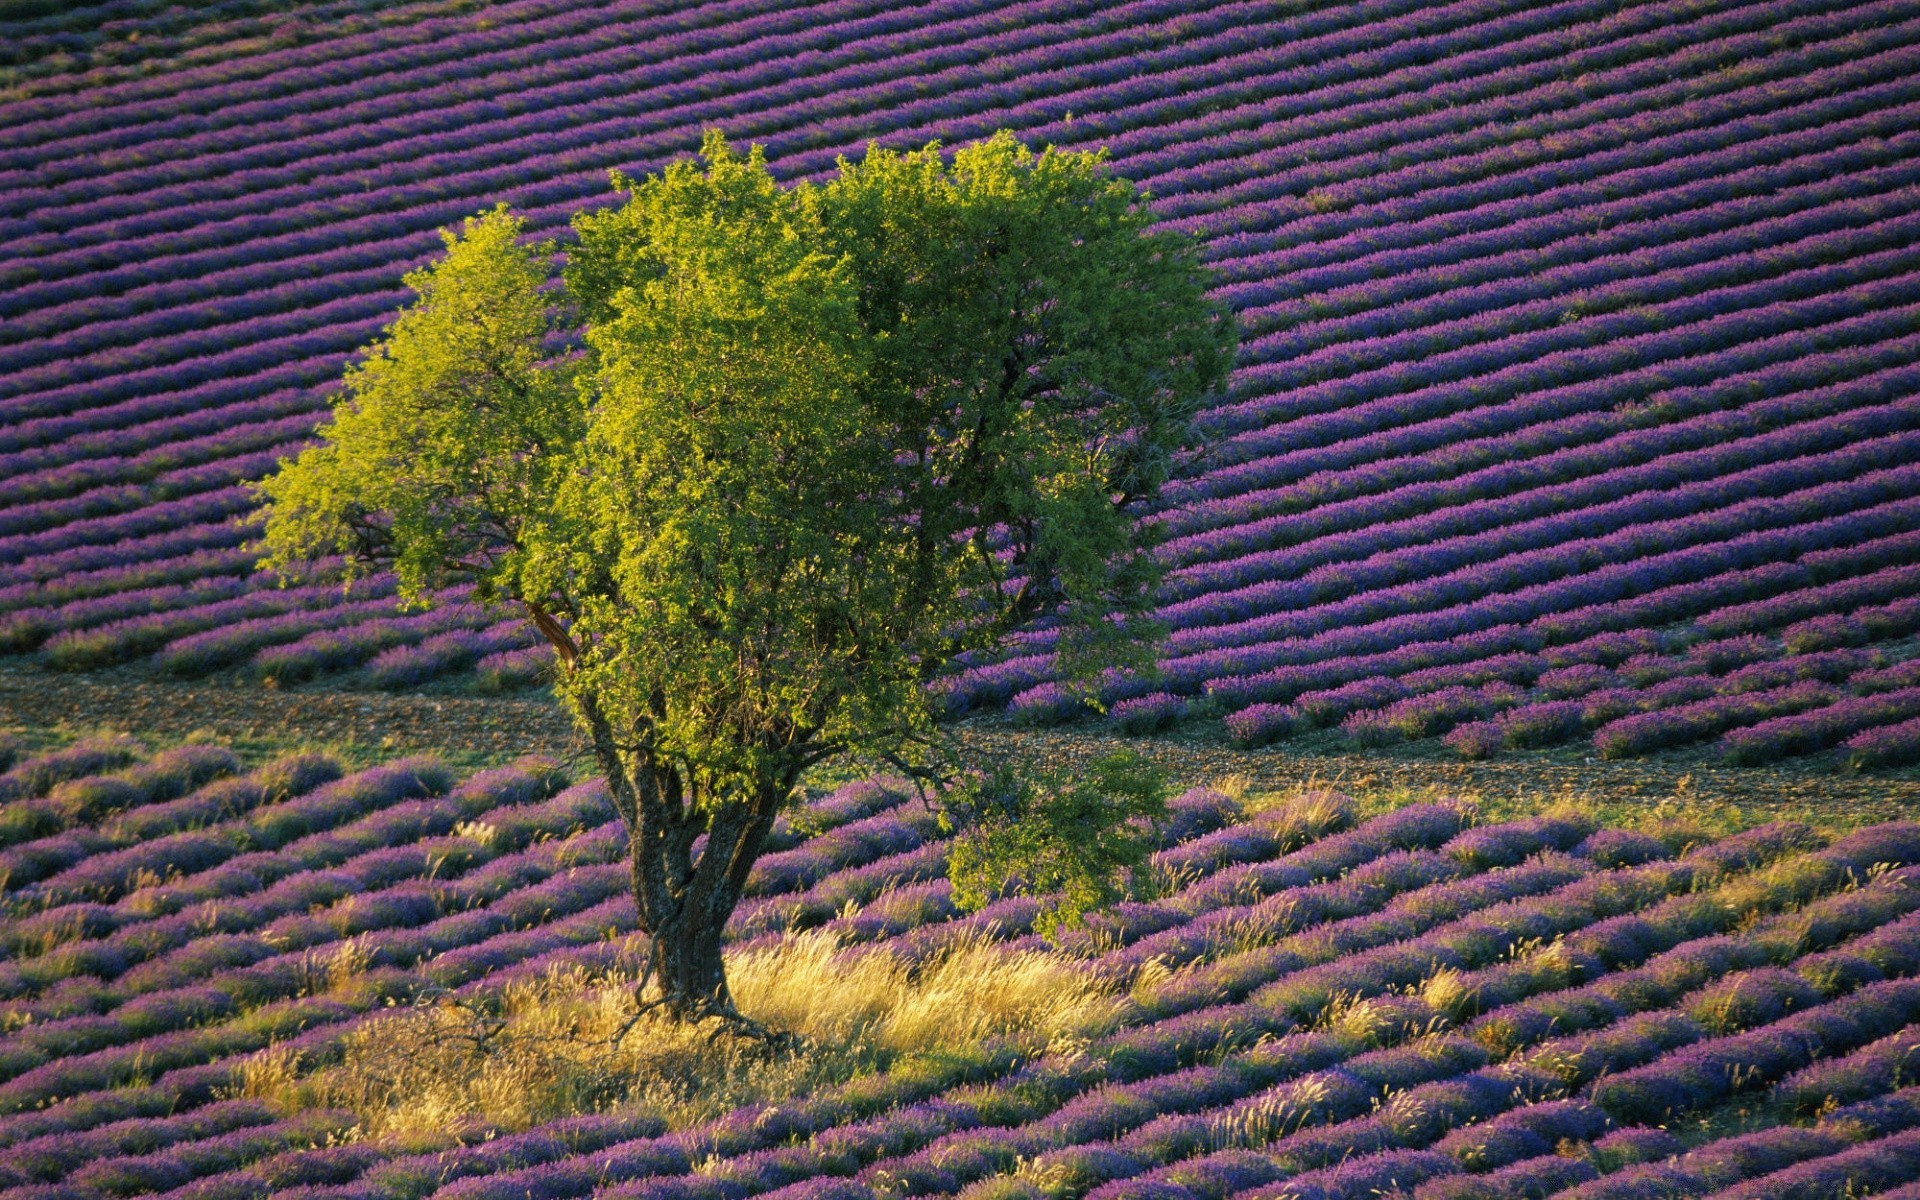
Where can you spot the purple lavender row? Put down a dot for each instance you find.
(101, 583)
(1479, 81)
(1703, 952)
(1405, 917)
(1232, 929)
(167, 471)
(1891, 1062)
(1425, 191)
(409, 666)
(1283, 43)
(514, 670)
(178, 1171)
(1583, 668)
(1329, 567)
(318, 65)
(118, 641)
(1343, 408)
(794, 99)
(1302, 995)
(87, 1112)
(1260, 172)
(383, 74)
(230, 860)
(335, 269)
(1894, 745)
(1495, 78)
(328, 650)
(1471, 1140)
(1592, 627)
(26, 629)
(1431, 596)
(1872, 1167)
(1408, 1121)
(27, 778)
(153, 518)
(130, 482)
(926, 894)
(519, 1179)
(1629, 1064)
(1581, 661)
(1547, 722)
(292, 386)
(76, 807)
(1176, 1091)
(49, 1159)
(515, 821)
(212, 649)
(381, 784)
(1782, 396)
(1419, 1116)
(1279, 241)
(1565, 384)
(591, 928)
(1695, 203)
(859, 53)
(339, 863)
(1667, 949)
(225, 644)
(1562, 610)
(1727, 1162)
(1804, 733)
(1570, 412)
(1428, 714)
(1706, 1071)
(837, 37)
(152, 549)
(254, 980)
(1541, 1176)
(1380, 332)
(1456, 47)
(1645, 732)
(1865, 623)
(1842, 594)
(395, 928)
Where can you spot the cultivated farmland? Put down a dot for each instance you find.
(1576, 398)
(1314, 999)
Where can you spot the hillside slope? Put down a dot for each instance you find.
(1578, 393)
(1314, 1001)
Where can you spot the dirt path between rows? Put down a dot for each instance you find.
(499, 728)
(241, 711)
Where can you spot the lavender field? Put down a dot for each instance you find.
(1576, 401)
(1314, 999)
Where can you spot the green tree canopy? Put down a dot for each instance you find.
(818, 441)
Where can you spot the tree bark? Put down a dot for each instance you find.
(688, 863)
(689, 869)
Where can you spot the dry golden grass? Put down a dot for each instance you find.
(539, 1049)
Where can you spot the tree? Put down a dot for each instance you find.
(816, 442)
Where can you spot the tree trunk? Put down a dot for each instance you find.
(689, 970)
(684, 898)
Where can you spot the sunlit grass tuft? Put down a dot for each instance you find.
(534, 1050)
